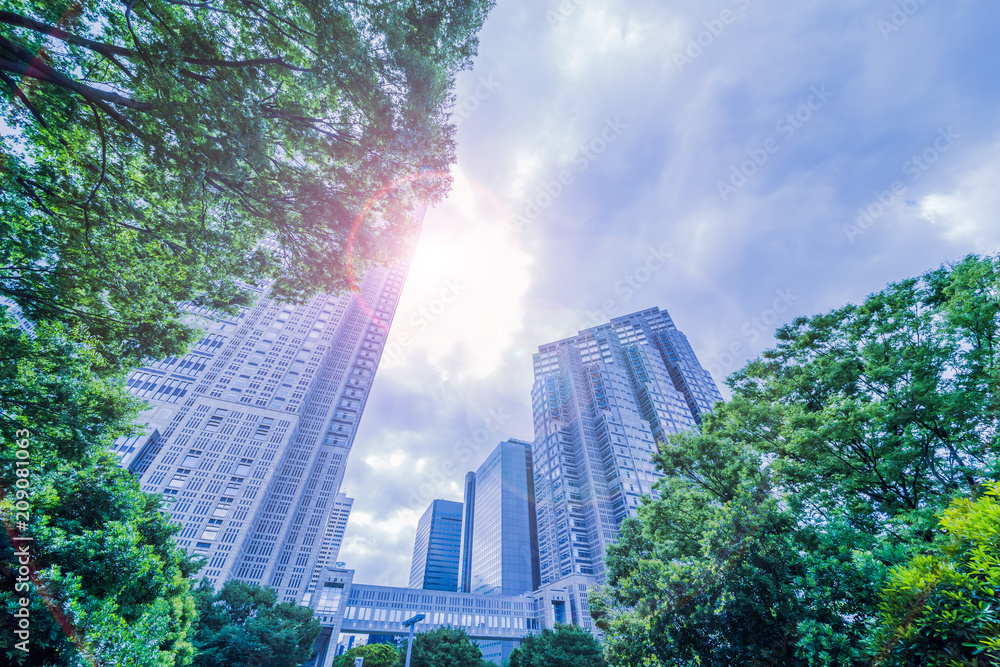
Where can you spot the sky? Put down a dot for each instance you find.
(737, 163)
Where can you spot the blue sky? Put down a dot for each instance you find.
(709, 158)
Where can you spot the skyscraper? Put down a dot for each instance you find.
(501, 549)
(333, 540)
(601, 401)
(250, 432)
(468, 517)
(437, 547)
(500, 540)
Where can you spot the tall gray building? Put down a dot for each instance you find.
(437, 547)
(333, 540)
(601, 401)
(250, 432)
(501, 549)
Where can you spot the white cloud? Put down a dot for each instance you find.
(461, 305)
(969, 215)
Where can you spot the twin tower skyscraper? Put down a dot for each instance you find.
(544, 513)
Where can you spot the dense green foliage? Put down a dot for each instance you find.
(780, 521)
(566, 646)
(375, 655)
(443, 647)
(158, 143)
(243, 625)
(943, 609)
(107, 585)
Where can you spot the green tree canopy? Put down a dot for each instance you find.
(887, 409)
(943, 609)
(780, 520)
(242, 624)
(375, 655)
(444, 647)
(165, 151)
(565, 646)
(107, 584)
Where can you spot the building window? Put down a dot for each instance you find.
(212, 529)
(179, 478)
(222, 509)
(216, 419)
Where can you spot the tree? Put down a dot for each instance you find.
(375, 655)
(760, 592)
(942, 609)
(444, 647)
(105, 583)
(780, 520)
(168, 151)
(565, 646)
(887, 409)
(242, 624)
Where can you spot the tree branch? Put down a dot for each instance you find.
(19, 94)
(212, 62)
(32, 67)
(106, 50)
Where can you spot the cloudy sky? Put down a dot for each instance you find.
(735, 162)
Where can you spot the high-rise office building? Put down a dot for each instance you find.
(250, 432)
(437, 547)
(468, 515)
(501, 549)
(601, 401)
(500, 540)
(333, 540)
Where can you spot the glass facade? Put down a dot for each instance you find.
(503, 559)
(601, 401)
(437, 548)
(468, 516)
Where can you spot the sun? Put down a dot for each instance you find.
(466, 286)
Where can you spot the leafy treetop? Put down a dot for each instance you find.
(166, 151)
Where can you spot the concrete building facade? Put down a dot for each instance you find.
(249, 434)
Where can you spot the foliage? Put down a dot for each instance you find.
(760, 592)
(108, 585)
(780, 520)
(375, 655)
(242, 624)
(942, 609)
(566, 646)
(158, 144)
(443, 647)
(887, 409)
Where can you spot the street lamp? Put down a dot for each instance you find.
(412, 622)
